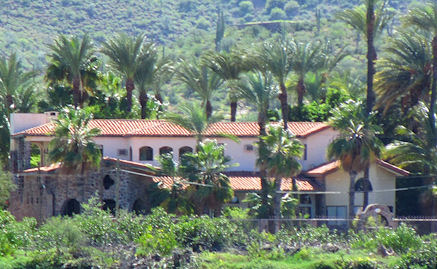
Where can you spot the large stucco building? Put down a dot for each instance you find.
(46, 191)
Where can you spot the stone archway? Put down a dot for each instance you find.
(140, 206)
(109, 204)
(376, 211)
(70, 207)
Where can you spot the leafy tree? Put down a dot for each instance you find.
(220, 30)
(72, 60)
(202, 80)
(258, 90)
(281, 160)
(4, 136)
(357, 144)
(277, 57)
(16, 85)
(124, 55)
(73, 143)
(6, 187)
(425, 18)
(229, 66)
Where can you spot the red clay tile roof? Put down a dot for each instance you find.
(247, 181)
(331, 167)
(120, 127)
(45, 169)
(323, 169)
(393, 168)
(149, 169)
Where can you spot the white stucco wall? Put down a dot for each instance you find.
(316, 148)
(317, 145)
(380, 178)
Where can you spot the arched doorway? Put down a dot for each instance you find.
(109, 204)
(140, 206)
(70, 207)
(107, 182)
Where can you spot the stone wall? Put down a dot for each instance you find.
(48, 195)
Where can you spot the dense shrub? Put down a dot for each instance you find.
(400, 240)
(277, 14)
(205, 233)
(291, 8)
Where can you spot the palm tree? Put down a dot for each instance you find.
(229, 66)
(144, 75)
(206, 167)
(283, 151)
(16, 85)
(72, 60)
(258, 90)
(73, 143)
(124, 54)
(306, 58)
(200, 79)
(415, 151)
(277, 57)
(357, 144)
(405, 71)
(162, 72)
(425, 18)
(370, 20)
(192, 118)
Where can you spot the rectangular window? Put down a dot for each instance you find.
(305, 152)
(336, 212)
(122, 152)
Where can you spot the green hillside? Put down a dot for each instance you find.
(27, 26)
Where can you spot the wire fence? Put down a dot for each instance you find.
(422, 224)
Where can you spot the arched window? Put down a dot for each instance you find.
(165, 150)
(146, 154)
(184, 150)
(361, 183)
(107, 182)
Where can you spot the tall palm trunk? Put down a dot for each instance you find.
(9, 102)
(130, 86)
(208, 109)
(144, 98)
(233, 106)
(263, 173)
(76, 92)
(283, 98)
(433, 90)
(277, 204)
(301, 89)
(366, 187)
(351, 215)
(158, 97)
(371, 56)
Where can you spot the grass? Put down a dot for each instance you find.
(304, 259)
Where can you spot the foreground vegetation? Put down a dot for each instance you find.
(97, 239)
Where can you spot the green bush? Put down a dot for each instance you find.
(291, 8)
(205, 233)
(425, 257)
(277, 14)
(400, 240)
(163, 242)
(245, 7)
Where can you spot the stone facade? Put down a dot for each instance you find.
(52, 194)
